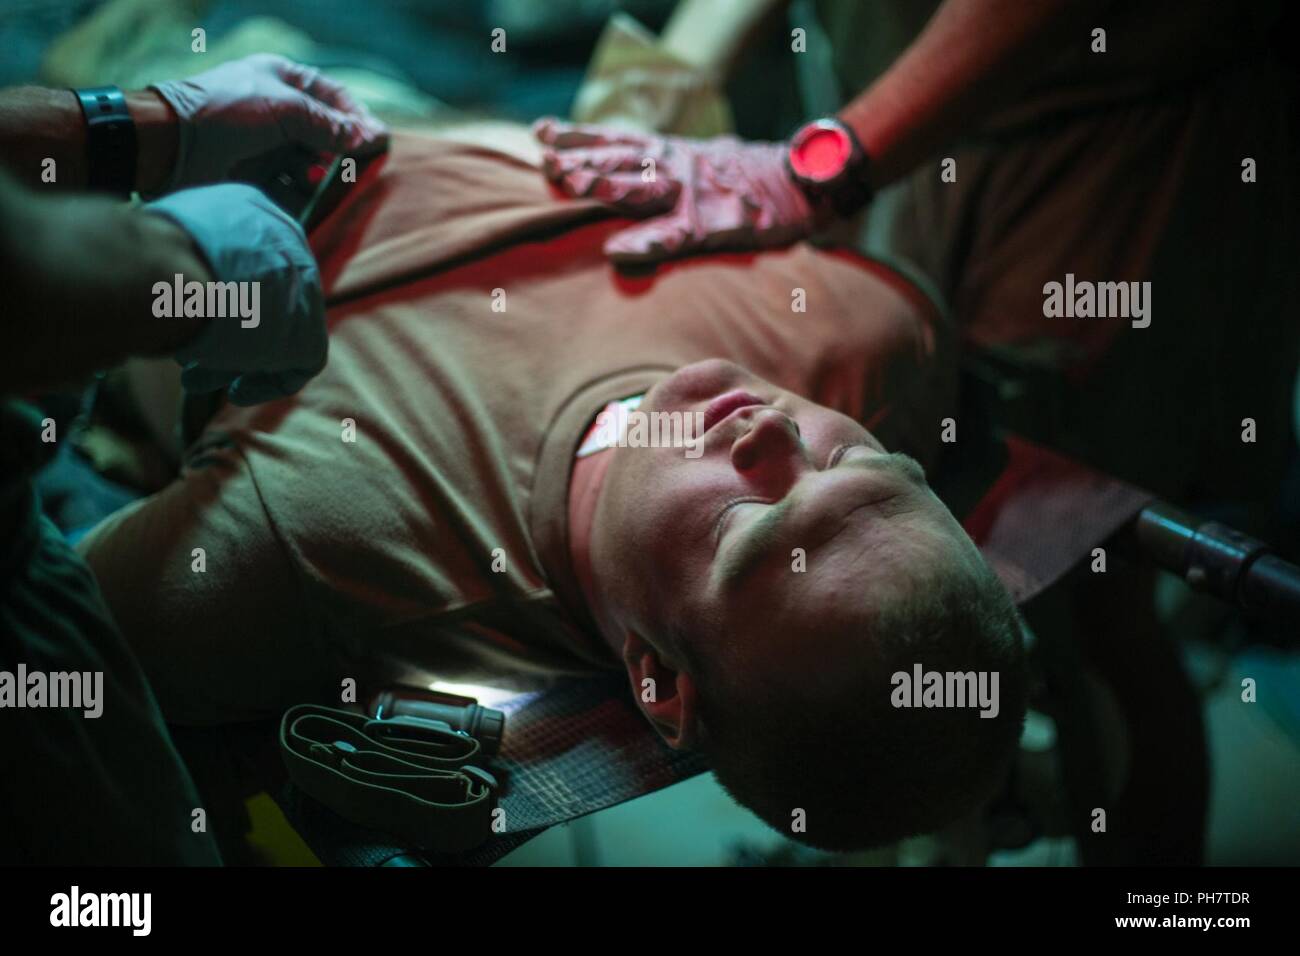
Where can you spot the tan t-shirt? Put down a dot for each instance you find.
(475, 330)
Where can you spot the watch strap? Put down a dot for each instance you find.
(110, 140)
(853, 191)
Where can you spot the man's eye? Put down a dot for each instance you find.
(842, 450)
(729, 514)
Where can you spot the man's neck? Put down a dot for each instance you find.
(585, 483)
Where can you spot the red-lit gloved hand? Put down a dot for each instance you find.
(698, 193)
(244, 109)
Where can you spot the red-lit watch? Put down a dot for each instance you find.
(830, 166)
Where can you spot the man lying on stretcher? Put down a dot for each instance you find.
(435, 501)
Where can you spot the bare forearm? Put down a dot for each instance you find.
(971, 58)
(83, 270)
(38, 124)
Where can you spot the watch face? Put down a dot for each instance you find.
(819, 153)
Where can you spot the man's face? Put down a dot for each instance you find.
(791, 521)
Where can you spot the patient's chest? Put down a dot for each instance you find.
(419, 480)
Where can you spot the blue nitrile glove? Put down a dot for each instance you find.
(246, 238)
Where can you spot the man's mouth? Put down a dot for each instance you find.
(725, 404)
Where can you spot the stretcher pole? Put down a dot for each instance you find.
(1222, 561)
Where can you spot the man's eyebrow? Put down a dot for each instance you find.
(746, 554)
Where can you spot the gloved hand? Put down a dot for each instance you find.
(244, 237)
(705, 194)
(243, 109)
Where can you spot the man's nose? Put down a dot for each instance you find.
(772, 442)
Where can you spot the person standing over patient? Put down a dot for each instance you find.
(110, 788)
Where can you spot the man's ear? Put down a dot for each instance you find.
(665, 695)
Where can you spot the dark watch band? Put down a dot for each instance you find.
(853, 192)
(856, 191)
(110, 140)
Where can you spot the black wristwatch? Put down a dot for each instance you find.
(110, 140)
(830, 165)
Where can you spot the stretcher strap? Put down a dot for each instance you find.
(576, 747)
(406, 777)
(1045, 513)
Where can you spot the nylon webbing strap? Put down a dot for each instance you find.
(405, 776)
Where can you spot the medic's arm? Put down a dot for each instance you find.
(972, 58)
(80, 276)
(38, 125)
